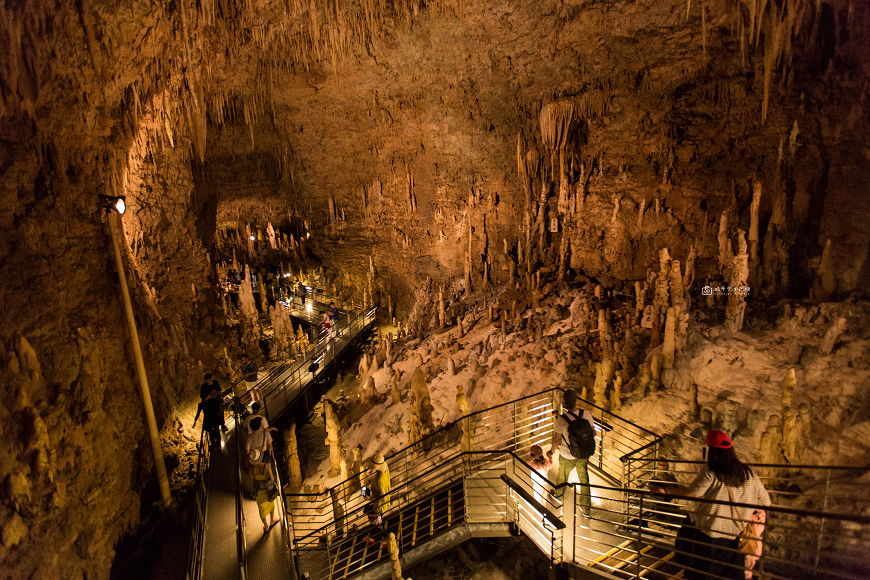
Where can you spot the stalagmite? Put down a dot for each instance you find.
(640, 215)
(394, 390)
(336, 452)
(689, 277)
(693, 402)
(357, 472)
(395, 563)
(830, 339)
(460, 331)
(491, 315)
(602, 373)
(660, 302)
(670, 340)
(371, 391)
(464, 411)
(788, 384)
(725, 258)
(655, 372)
(441, 313)
(563, 255)
(753, 234)
(291, 452)
(616, 395)
(451, 367)
(736, 307)
(825, 283)
(422, 405)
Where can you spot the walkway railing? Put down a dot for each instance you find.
(511, 427)
(630, 533)
(197, 535)
(289, 380)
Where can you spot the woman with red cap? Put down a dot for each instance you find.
(709, 546)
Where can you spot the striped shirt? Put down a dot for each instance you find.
(717, 521)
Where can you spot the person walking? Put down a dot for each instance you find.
(708, 541)
(574, 439)
(249, 372)
(263, 486)
(378, 491)
(212, 418)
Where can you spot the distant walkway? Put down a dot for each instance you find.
(234, 546)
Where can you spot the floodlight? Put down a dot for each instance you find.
(115, 202)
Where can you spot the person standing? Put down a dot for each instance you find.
(572, 440)
(207, 387)
(379, 496)
(249, 372)
(708, 545)
(212, 418)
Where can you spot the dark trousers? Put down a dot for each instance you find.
(214, 437)
(707, 558)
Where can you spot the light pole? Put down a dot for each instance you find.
(114, 218)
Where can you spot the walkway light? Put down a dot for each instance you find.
(114, 202)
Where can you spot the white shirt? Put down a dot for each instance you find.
(259, 440)
(264, 424)
(561, 428)
(717, 521)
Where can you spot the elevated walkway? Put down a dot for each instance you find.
(442, 495)
(228, 542)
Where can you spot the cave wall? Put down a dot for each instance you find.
(406, 115)
(417, 141)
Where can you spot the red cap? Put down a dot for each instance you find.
(718, 439)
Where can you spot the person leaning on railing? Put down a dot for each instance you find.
(709, 545)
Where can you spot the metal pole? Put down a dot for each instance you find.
(156, 449)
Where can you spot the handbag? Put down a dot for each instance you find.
(748, 541)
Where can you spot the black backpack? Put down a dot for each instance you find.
(581, 437)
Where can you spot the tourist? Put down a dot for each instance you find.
(259, 445)
(255, 413)
(568, 462)
(208, 386)
(708, 543)
(378, 490)
(540, 469)
(212, 418)
(249, 373)
(333, 313)
(263, 488)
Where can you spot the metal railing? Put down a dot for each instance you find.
(815, 527)
(288, 381)
(630, 532)
(512, 427)
(241, 523)
(197, 535)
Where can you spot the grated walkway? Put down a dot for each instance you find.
(266, 556)
(220, 554)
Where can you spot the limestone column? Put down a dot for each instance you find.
(333, 440)
(754, 276)
(736, 306)
(669, 345)
(395, 564)
(467, 441)
(291, 451)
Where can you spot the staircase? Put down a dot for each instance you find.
(442, 496)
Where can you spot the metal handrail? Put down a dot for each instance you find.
(623, 511)
(360, 318)
(440, 432)
(241, 523)
(197, 543)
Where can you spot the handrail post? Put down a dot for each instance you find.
(821, 525)
(639, 536)
(569, 514)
